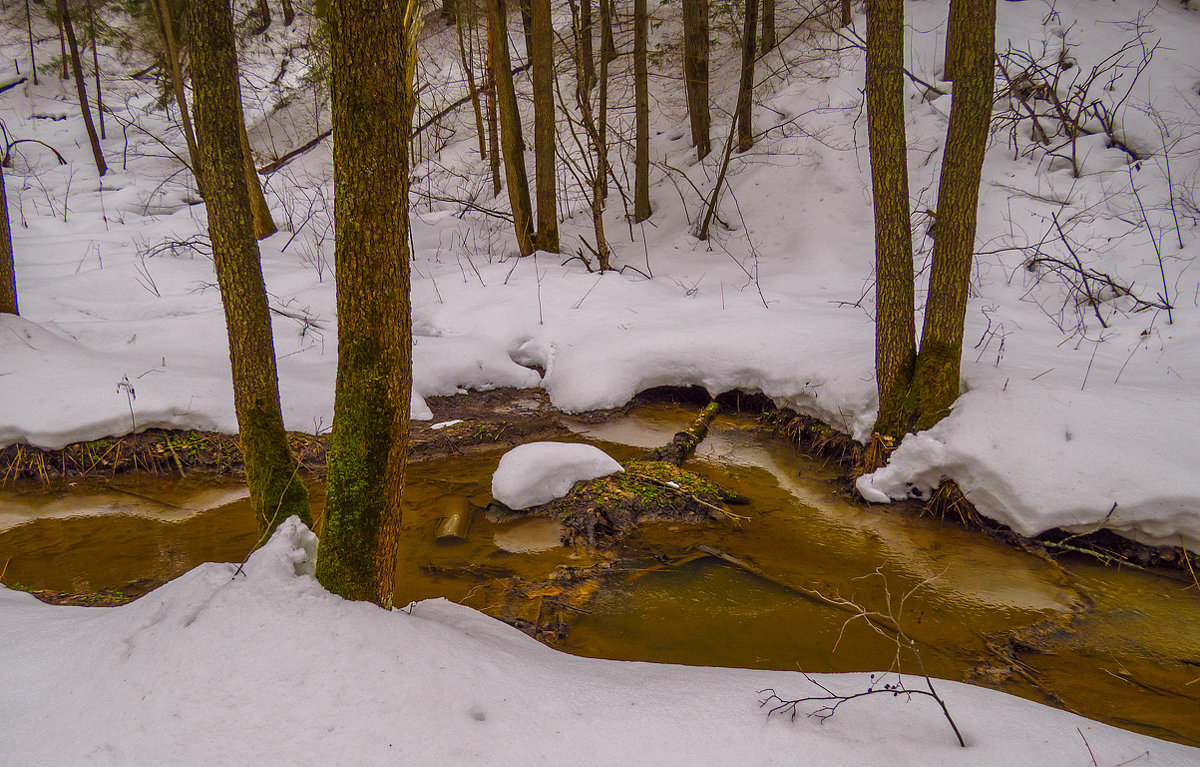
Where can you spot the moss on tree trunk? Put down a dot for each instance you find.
(373, 49)
(276, 491)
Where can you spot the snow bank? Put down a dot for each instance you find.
(267, 668)
(539, 472)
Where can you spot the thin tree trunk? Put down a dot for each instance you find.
(493, 128)
(263, 11)
(641, 98)
(608, 44)
(171, 51)
(29, 29)
(96, 66)
(745, 98)
(264, 225)
(289, 13)
(541, 55)
(587, 52)
(847, 13)
(512, 146)
(8, 272)
(373, 49)
(276, 491)
(767, 42)
(467, 58)
(695, 72)
(526, 7)
(602, 142)
(81, 87)
(62, 45)
(895, 327)
(936, 379)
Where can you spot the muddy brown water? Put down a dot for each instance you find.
(1116, 645)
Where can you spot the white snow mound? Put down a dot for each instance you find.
(539, 472)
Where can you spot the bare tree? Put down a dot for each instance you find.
(695, 72)
(8, 272)
(512, 146)
(64, 17)
(641, 98)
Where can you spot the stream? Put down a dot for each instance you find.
(1119, 646)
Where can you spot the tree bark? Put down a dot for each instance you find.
(745, 98)
(276, 491)
(289, 13)
(936, 379)
(895, 332)
(954, 23)
(493, 127)
(541, 55)
(81, 87)
(641, 98)
(373, 50)
(847, 13)
(8, 272)
(695, 72)
(512, 146)
(263, 12)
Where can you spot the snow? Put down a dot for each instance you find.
(540, 472)
(265, 667)
(1073, 415)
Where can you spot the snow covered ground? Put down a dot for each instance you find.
(268, 668)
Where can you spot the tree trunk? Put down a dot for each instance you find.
(81, 87)
(895, 332)
(373, 50)
(526, 7)
(954, 23)
(511, 144)
(587, 53)
(263, 12)
(608, 44)
(493, 127)
(29, 29)
(96, 66)
(768, 26)
(541, 55)
(276, 491)
(466, 57)
(62, 45)
(289, 13)
(936, 379)
(264, 225)
(166, 28)
(847, 13)
(641, 98)
(695, 72)
(8, 272)
(745, 98)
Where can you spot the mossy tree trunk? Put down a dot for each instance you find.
(641, 99)
(541, 55)
(895, 333)
(373, 50)
(936, 379)
(276, 491)
(695, 72)
(512, 145)
(8, 272)
(81, 88)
